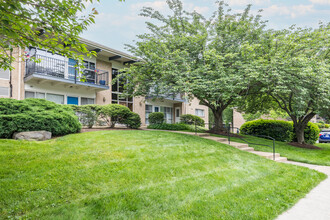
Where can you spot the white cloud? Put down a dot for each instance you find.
(321, 2)
(246, 2)
(292, 11)
(157, 5)
(201, 10)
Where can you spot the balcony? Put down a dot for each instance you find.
(178, 98)
(60, 71)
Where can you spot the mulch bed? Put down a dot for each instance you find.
(306, 146)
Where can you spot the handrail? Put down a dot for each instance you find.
(231, 128)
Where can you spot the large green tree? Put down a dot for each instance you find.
(50, 24)
(294, 74)
(209, 59)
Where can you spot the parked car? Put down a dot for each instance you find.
(324, 136)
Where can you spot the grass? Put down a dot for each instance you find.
(144, 175)
(311, 156)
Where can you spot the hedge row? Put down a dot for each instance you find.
(280, 130)
(34, 115)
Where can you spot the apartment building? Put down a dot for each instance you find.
(56, 79)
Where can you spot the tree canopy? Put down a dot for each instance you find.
(209, 59)
(50, 24)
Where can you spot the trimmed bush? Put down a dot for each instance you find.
(165, 126)
(327, 126)
(311, 133)
(34, 115)
(156, 118)
(133, 120)
(87, 114)
(280, 130)
(320, 125)
(114, 113)
(177, 127)
(192, 119)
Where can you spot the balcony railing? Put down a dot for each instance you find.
(61, 69)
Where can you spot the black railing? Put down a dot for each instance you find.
(57, 68)
(230, 130)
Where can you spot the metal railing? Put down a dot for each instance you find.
(57, 68)
(229, 131)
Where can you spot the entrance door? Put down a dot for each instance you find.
(177, 114)
(72, 100)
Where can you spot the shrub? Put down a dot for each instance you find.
(156, 118)
(311, 133)
(177, 127)
(192, 119)
(133, 120)
(34, 115)
(280, 130)
(320, 125)
(87, 114)
(114, 113)
(327, 126)
(165, 126)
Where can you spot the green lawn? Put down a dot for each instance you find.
(144, 175)
(320, 157)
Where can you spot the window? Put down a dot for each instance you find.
(4, 91)
(87, 101)
(38, 95)
(168, 113)
(4, 74)
(89, 72)
(59, 99)
(72, 69)
(177, 113)
(117, 91)
(199, 112)
(148, 111)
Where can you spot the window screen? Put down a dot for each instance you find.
(87, 101)
(4, 91)
(29, 94)
(4, 74)
(59, 99)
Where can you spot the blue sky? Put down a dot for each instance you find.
(118, 23)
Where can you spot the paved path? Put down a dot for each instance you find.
(316, 204)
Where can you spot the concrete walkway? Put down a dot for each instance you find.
(316, 204)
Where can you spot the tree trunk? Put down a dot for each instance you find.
(218, 121)
(299, 130)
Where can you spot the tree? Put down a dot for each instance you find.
(294, 73)
(50, 24)
(209, 59)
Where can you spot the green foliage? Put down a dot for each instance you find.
(114, 113)
(320, 125)
(165, 126)
(192, 120)
(327, 126)
(209, 59)
(34, 115)
(311, 133)
(88, 114)
(133, 120)
(279, 130)
(156, 118)
(47, 24)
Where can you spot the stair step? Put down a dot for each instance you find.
(222, 140)
(266, 154)
(249, 149)
(238, 145)
(215, 138)
(281, 159)
(203, 134)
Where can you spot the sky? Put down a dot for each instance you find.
(118, 23)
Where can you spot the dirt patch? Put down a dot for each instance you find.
(306, 146)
